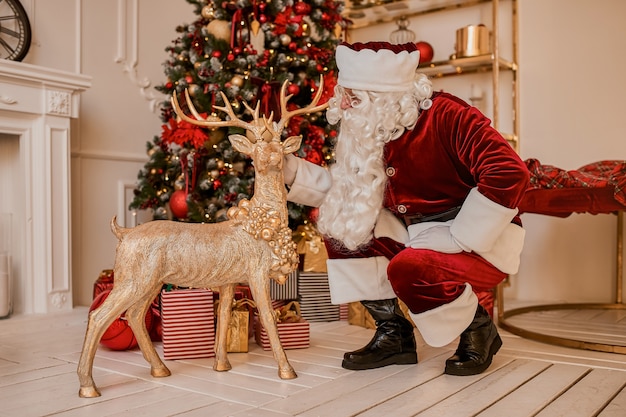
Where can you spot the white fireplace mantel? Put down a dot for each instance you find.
(36, 105)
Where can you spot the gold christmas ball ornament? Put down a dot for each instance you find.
(220, 29)
(194, 90)
(208, 12)
(285, 39)
(215, 137)
(237, 80)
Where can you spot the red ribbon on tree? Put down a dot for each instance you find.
(268, 95)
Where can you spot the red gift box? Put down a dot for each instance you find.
(188, 320)
(293, 330)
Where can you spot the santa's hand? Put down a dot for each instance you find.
(434, 236)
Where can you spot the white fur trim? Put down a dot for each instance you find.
(506, 252)
(443, 324)
(357, 279)
(388, 225)
(382, 70)
(480, 222)
(311, 183)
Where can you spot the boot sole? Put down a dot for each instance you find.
(495, 347)
(409, 358)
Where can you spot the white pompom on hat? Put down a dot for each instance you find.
(377, 66)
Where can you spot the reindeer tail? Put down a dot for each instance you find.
(117, 229)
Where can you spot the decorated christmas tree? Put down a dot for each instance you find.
(246, 49)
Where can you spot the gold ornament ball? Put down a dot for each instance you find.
(220, 29)
(208, 12)
(194, 90)
(285, 39)
(237, 80)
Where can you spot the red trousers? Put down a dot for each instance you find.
(424, 279)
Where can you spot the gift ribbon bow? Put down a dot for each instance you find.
(289, 313)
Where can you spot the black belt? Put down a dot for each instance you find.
(438, 217)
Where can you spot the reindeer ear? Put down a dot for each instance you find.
(291, 144)
(241, 144)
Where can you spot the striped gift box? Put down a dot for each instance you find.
(188, 324)
(286, 291)
(295, 335)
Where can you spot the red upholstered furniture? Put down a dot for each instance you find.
(597, 188)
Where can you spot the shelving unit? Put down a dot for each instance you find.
(362, 14)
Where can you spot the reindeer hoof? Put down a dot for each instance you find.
(287, 374)
(160, 372)
(222, 366)
(88, 392)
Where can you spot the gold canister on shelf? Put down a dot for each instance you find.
(472, 40)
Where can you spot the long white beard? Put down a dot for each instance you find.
(355, 199)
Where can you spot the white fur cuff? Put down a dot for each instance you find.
(357, 279)
(311, 182)
(480, 222)
(443, 324)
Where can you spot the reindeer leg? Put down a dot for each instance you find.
(261, 295)
(136, 316)
(99, 320)
(227, 294)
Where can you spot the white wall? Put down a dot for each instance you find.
(571, 100)
(571, 112)
(121, 44)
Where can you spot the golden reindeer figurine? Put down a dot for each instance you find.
(253, 246)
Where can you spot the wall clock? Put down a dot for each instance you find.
(15, 33)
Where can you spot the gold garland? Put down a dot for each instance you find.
(265, 223)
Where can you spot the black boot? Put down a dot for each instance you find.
(479, 342)
(393, 342)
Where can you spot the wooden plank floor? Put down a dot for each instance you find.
(39, 353)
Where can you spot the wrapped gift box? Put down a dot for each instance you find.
(311, 248)
(358, 315)
(188, 320)
(286, 291)
(240, 324)
(314, 298)
(293, 331)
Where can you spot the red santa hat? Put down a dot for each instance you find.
(377, 66)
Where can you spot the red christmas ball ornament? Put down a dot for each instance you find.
(262, 18)
(301, 8)
(293, 89)
(293, 46)
(169, 85)
(119, 335)
(189, 79)
(216, 54)
(426, 51)
(178, 204)
(237, 50)
(230, 57)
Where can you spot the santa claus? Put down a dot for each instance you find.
(420, 205)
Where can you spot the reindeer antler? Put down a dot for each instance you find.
(255, 126)
(311, 108)
(258, 124)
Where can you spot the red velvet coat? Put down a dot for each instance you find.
(451, 150)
